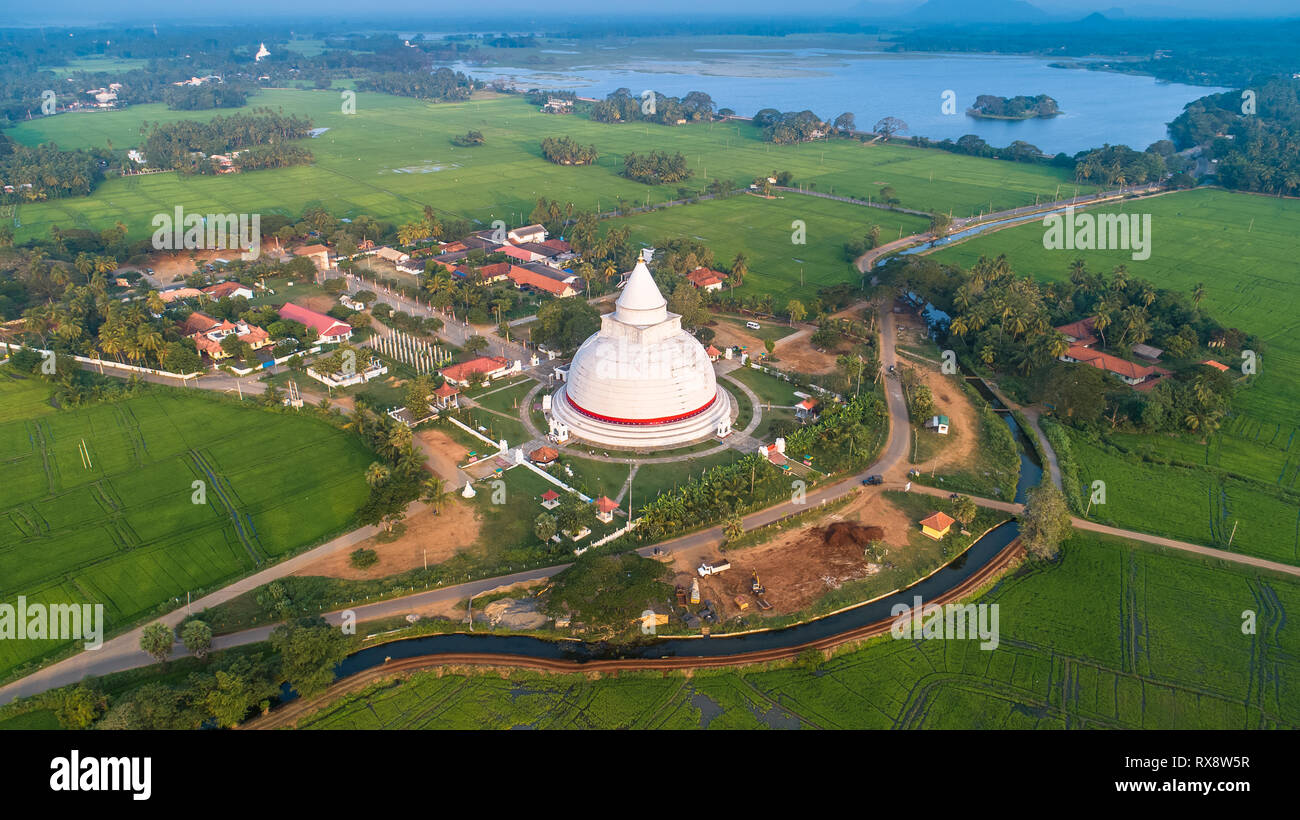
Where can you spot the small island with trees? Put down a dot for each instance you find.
(989, 107)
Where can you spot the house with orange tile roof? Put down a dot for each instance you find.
(1130, 372)
(208, 332)
(1080, 333)
(937, 524)
(707, 278)
(328, 329)
(463, 374)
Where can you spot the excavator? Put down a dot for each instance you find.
(756, 586)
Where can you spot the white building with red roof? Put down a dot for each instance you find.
(328, 329)
(487, 367)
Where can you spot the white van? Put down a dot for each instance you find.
(753, 325)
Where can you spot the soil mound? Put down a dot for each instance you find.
(848, 534)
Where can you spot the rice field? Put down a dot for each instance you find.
(1244, 248)
(782, 261)
(116, 523)
(394, 155)
(1104, 639)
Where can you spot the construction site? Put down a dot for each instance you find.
(792, 569)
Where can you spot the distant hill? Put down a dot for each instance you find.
(939, 12)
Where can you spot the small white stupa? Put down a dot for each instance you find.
(261, 52)
(468, 491)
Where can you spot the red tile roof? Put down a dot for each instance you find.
(446, 390)
(1114, 364)
(1220, 366)
(224, 289)
(198, 322)
(1080, 331)
(465, 370)
(544, 455)
(550, 495)
(524, 276)
(703, 277)
(939, 521)
(559, 245)
(322, 324)
(517, 253)
(606, 504)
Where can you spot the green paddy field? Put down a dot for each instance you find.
(394, 155)
(123, 529)
(1104, 639)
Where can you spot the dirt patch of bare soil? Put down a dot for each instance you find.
(441, 453)
(167, 265)
(801, 565)
(430, 537)
(963, 424)
(725, 334)
(795, 352)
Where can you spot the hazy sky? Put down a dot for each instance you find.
(66, 12)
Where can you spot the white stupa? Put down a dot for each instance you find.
(641, 381)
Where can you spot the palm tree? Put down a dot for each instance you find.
(149, 339)
(739, 267)
(377, 474)
(433, 491)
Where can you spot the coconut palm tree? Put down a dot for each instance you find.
(433, 491)
(377, 474)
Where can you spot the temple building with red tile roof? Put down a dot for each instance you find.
(328, 329)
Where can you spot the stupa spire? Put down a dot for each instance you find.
(641, 303)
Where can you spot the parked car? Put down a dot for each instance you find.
(753, 325)
(873, 479)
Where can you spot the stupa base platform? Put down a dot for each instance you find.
(645, 437)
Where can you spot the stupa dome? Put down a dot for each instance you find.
(641, 381)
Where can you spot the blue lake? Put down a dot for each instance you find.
(1099, 107)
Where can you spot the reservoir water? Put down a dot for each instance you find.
(1099, 107)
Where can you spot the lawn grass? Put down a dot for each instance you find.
(594, 478)
(126, 533)
(653, 479)
(384, 161)
(1102, 639)
(768, 388)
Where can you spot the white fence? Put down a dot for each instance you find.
(476, 433)
(102, 363)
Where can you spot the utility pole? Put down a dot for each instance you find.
(1234, 534)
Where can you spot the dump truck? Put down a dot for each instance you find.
(713, 569)
(695, 590)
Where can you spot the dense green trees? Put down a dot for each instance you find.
(656, 167)
(1014, 108)
(566, 151)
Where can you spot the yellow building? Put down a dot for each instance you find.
(937, 525)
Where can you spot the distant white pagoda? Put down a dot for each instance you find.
(261, 52)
